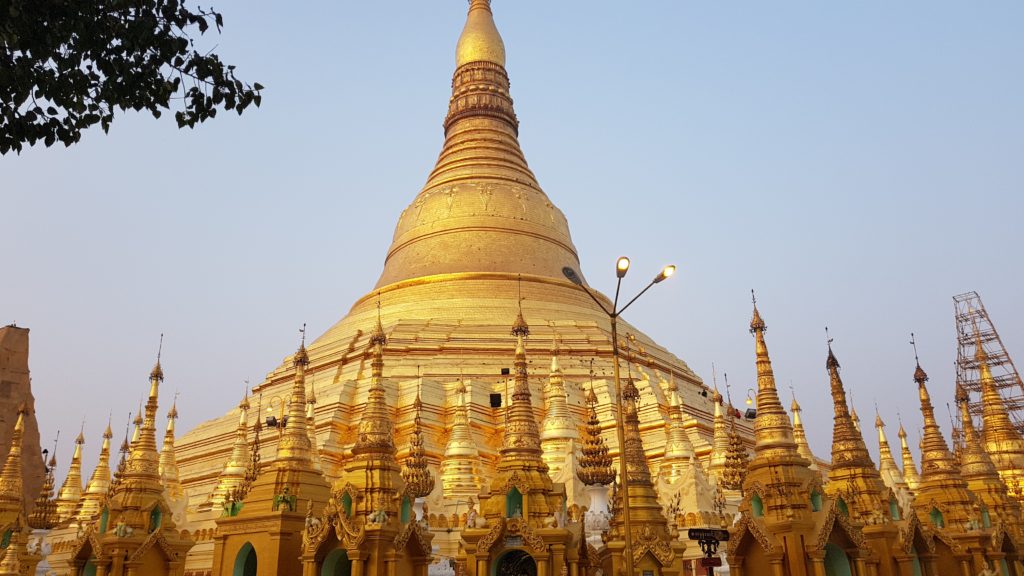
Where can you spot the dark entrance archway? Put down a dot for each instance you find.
(245, 561)
(515, 563)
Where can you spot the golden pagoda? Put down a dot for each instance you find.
(910, 475)
(98, 487)
(719, 439)
(135, 532)
(1003, 442)
(595, 471)
(982, 477)
(788, 526)
(522, 518)
(263, 523)
(479, 225)
(802, 446)
(71, 490)
(368, 526)
(14, 525)
(889, 470)
(44, 512)
(943, 501)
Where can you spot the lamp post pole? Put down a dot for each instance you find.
(621, 267)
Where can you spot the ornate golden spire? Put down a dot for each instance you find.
(521, 436)
(139, 482)
(1002, 440)
(418, 479)
(558, 431)
(941, 481)
(800, 435)
(978, 470)
(595, 465)
(233, 476)
(98, 486)
(44, 512)
(168, 460)
(294, 451)
(11, 483)
(773, 433)
(480, 40)
(71, 490)
(910, 475)
(888, 468)
(376, 431)
(853, 475)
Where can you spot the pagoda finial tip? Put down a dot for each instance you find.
(480, 40)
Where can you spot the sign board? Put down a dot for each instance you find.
(713, 562)
(708, 534)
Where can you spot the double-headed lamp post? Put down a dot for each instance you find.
(621, 267)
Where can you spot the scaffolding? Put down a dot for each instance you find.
(973, 325)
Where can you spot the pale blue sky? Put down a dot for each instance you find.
(857, 163)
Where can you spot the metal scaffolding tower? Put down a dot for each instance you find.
(973, 323)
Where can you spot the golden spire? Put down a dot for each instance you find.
(802, 446)
(233, 476)
(720, 438)
(137, 422)
(637, 470)
(978, 470)
(773, 433)
(910, 475)
(521, 436)
(139, 482)
(558, 431)
(168, 460)
(848, 448)
(854, 418)
(595, 465)
(293, 449)
(459, 475)
(11, 483)
(418, 478)
(71, 490)
(314, 451)
(98, 486)
(941, 481)
(888, 468)
(376, 431)
(480, 40)
(44, 512)
(853, 475)
(1002, 440)
(678, 448)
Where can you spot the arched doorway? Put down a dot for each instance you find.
(245, 562)
(515, 563)
(837, 563)
(336, 564)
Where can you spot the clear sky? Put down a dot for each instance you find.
(857, 163)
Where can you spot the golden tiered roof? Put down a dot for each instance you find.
(802, 446)
(419, 480)
(11, 482)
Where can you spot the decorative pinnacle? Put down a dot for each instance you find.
(520, 327)
(831, 362)
(378, 338)
(920, 376)
(158, 373)
(756, 323)
(301, 357)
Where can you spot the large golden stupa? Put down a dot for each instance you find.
(478, 243)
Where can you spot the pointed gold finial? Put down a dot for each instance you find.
(480, 40)
(158, 373)
(418, 478)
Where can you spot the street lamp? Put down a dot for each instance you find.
(621, 268)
